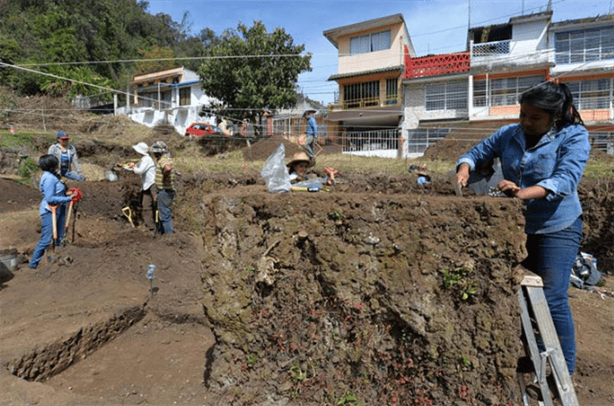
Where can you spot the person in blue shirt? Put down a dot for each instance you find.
(54, 193)
(312, 134)
(542, 160)
(66, 155)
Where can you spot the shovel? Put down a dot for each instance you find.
(128, 213)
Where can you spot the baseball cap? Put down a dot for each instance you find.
(61, 135)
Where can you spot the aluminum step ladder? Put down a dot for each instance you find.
(537, 324)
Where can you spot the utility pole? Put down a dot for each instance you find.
(469, 14)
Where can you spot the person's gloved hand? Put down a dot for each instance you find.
(76, 194)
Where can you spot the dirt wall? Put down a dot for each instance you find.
(389, 299)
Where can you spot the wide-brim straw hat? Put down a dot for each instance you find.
(141, 148)
(308, 111)
(298, 157)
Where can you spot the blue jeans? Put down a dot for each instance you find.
(47, 234)
(72, 175)
(551, 256)
(309, 146)
(165, 204)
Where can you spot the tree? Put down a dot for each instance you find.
(250, 70)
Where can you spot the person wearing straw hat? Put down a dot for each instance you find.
(66, 154)
(147, 169)
(312, 134)
(299, 171)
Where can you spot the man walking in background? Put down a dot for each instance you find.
(312, 134)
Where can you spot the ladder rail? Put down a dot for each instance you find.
(533, 302)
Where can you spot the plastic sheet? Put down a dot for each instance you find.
(275, 172)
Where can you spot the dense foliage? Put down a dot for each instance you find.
(250, 70)
(88, 42)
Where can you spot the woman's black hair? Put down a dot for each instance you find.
(48, 163)
(554, 98)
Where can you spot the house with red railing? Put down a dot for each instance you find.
(484, 82)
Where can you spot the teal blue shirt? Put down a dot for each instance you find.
(556, 163)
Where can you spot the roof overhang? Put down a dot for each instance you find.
(334, 33)
(578, 24)
(157, 76)
(397, 68)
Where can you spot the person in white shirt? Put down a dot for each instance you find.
(147, 169)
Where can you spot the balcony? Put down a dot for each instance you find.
(490, 49)
(367, 102)
(436, 65)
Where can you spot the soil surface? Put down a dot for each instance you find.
(282, 299)
(378, 292)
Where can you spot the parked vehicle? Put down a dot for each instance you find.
(203, 129)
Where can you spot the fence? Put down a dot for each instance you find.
(420, 139)
(602, 141)
(383, 143)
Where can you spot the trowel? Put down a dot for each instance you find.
(482, 181)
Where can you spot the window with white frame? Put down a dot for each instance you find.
(591, 94)
(584, 45)
(446, 96)
(376, 41)
(503, 91)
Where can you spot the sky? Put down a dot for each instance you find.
(434, 26)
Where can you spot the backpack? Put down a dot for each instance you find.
(584, 271)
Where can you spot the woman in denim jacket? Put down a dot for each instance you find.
(542, 160)
(55, 194)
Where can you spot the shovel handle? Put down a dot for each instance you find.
(68, 216)
(54, 221)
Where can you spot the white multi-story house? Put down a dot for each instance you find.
(172, 96)
(501, 61)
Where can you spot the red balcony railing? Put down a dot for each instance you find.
(436, 65)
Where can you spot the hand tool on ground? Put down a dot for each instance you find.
(128, 213)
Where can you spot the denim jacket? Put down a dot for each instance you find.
(53, 192)
(556, 163)
(312, 127)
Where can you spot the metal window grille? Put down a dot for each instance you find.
(591, 94)
(391, 91)
(446, 96)
(502, 92)
(358, 95)
(584, 45)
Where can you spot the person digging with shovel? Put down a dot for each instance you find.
(52, 207)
